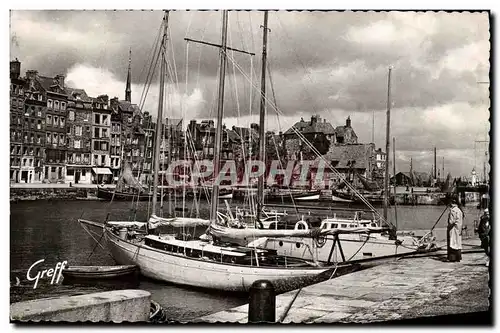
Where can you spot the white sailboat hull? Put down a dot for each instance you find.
(178, 269)
(354, 247)
(313, 197)
(337, 199)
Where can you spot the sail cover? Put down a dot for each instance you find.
(176, 222)
(128, 178)
(250, 234)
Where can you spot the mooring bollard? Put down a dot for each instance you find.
(262, 303)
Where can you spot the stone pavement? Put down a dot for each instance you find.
(401, 289)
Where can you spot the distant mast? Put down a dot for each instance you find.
(387, 145)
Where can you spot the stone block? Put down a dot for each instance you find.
(113, 306)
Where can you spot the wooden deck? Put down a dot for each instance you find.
(401, 289)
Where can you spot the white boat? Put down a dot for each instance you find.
(202, 264)
(355, 247)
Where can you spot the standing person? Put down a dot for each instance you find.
(455, 221)
(484, 233)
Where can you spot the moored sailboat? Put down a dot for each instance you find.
(201, 262)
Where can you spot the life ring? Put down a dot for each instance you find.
(301, 225)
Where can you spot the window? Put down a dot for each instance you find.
(78, 130)
(103, 159)
(104, 146)
(104, 133)
(49, 103)
(56, 105)
(62, 122)
(86, 158)
(56, 120)
(71, 172)
(39, 111)
(105, 120)
(61, 139)
(63, 106)
(135, 141)
(39, 125)
(96, 132)
(129, 120)
(77, 158)
(40, 98)
(77, 144)
(49, 137)
(71, 115)
(96, 119)
(49, 120)
(95, 159)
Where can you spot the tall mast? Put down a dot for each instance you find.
(220, 111)
(159, 120)
(262, 114)
(387, 144)
(394, 171)
(435, 165)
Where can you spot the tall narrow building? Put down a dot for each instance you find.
(128, 90)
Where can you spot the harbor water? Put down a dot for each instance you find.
(49, 230)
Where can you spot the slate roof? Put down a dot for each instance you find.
(50, 84)
(73, 92)
(340, 156)
(317, 126)
(126, 106)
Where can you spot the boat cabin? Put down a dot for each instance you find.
(204, 250)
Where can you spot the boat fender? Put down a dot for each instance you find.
(301, 223)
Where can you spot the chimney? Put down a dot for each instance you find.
(60, 80)
(348, 122)
(15, 69)
(324, 121)
(254, 126)
(113, 102)
(315, 119)
(101, 98)
(31, 74)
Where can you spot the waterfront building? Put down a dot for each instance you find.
(345, 134)
(100, 149)
(49, 94)
(320, 133)
(203, 137)
(116, 147)
(149, 128)
(79, 133)
(18, 122)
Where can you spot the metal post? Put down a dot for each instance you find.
(262, 302)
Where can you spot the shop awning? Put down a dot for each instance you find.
(102, 171)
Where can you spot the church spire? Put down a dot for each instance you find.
(128, 90)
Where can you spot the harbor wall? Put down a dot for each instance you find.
(112, 306)
(63, 193)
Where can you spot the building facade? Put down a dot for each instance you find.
(116, 150)
(79, 132)
(17, 122)
(101, 134)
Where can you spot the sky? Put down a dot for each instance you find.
(334, 64)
